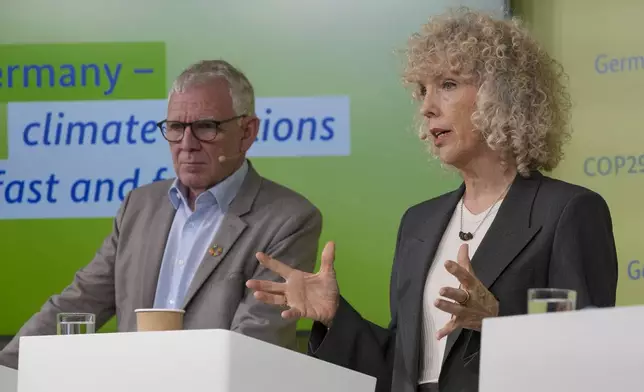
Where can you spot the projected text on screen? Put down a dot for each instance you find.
(79, 71)
(78, 129)
(80, 159)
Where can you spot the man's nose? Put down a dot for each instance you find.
(189, 140)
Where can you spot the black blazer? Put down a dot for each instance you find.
(547, 233)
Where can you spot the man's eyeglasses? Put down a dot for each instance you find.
(203, 130)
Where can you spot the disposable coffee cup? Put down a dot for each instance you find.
(159, 319)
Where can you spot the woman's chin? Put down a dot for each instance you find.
(446, 155)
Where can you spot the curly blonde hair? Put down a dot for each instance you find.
(522, 107)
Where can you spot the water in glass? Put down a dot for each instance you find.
(75, 323)
(549, 300)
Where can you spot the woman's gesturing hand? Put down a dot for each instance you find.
(313, 296)
(472, 300)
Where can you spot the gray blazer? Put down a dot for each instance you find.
(123, 275)
(547, 233)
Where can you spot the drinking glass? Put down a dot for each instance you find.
(551, 300)
(75, 323)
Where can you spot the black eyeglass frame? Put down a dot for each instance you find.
(213, 123)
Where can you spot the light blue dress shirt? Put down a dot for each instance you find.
(191, 234)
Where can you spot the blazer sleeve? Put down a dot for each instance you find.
(91, 291)
(297, 246)
(358, 344)
(584, 256)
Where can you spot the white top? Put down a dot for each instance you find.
(433, 318)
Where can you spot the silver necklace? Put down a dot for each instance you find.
(466, 236)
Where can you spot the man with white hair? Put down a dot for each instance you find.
(190, 243)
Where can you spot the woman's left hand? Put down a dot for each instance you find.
(472, 301)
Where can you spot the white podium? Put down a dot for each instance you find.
(594, 350)
(177, 361)
(8, 379)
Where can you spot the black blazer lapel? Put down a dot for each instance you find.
(419, 245)
(510, 232)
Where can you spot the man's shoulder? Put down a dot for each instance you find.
(275, 195)
(153, 189)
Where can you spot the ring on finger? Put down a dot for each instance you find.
(467, 298)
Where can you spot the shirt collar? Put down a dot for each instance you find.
(222, 194)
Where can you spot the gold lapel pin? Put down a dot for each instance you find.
(215, 250)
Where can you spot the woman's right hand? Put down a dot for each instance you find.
(313, 296)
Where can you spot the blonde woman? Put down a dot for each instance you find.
(495, 110)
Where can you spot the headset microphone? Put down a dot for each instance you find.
(224, 158)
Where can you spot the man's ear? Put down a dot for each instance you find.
(250, 129)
